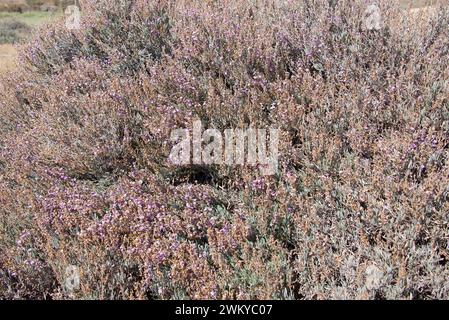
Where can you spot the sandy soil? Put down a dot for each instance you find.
(8, 56)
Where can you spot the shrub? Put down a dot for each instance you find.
(12, 31)
(359, 208)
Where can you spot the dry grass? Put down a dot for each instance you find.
(13, 5)
(421, 11)
(8, 52)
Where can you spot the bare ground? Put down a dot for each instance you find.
(8, 57)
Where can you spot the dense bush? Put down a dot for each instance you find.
(359, 208)
(12, 31)
(13, 5)
(46, 5)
